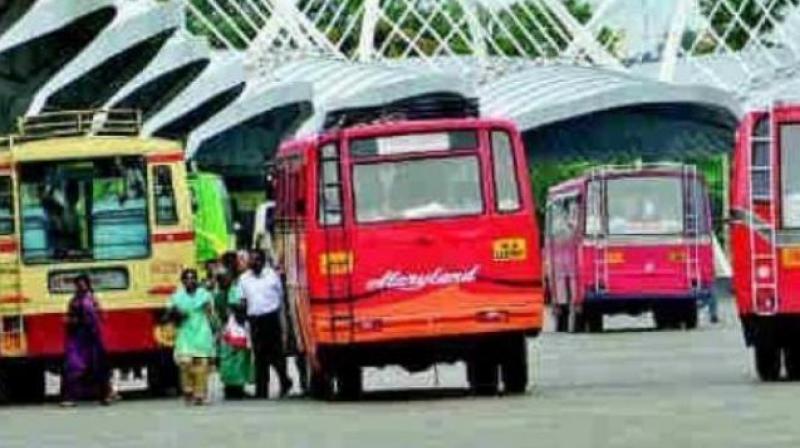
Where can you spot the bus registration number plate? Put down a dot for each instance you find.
(510, 249)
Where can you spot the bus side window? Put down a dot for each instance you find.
(6, 207)
(330, 191)
(594, 209)
(166, 208)
(505, 174)
(760, 157)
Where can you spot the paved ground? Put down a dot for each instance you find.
(631, 388)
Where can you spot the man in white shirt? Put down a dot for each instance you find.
(263, 294)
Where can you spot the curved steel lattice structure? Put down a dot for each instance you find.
(742, 46)
(255, 70)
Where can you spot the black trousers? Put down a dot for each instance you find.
(267, 337)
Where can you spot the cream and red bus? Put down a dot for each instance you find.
(81, 192)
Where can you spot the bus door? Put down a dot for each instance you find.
(564, 236)
(12, 341)
(289, 174)
(336, 258)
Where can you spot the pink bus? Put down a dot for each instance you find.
(629, 239)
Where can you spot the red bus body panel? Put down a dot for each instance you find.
(409, 280)
(788, 269)
(641, 270)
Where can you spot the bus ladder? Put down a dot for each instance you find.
(338, 275)
(692, 221)
(12, 319)
(764, 225)
(601, 239)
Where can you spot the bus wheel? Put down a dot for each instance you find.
(320, 385)
(665, 319)
(768, 361)
(162, 377)
(560, 317)
(350, 382)
(514, 367)
(22, 384)
(594, 321)
(690, 317)
(576, 320)
(483, 376)
(791, 356)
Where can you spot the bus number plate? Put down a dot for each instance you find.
(510, 249)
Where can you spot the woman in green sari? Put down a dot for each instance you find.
(235, 364)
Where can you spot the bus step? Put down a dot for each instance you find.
(760, 169)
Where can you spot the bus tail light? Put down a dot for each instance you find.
(615, 257)
(492, 316)
(764, 272)
(370, 325)
(677, 256)
(765, 301)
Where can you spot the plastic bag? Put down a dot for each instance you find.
(235, 334)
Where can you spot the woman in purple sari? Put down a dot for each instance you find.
(86, 372)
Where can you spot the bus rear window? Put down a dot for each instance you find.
(417, 189)
(414, 143)
(6, 207)
(84, 210)
(505, 173)
(645, 206)
(790, 174)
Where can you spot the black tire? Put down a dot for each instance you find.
(690, 317)
(320, 385)
(768, 361)
(791, 358)
(163, 379)
(22, 384)
(33, 384)
(514, 367)
(483, 376)
(350, 383)
(665, 319)
(576, 320)
(594, 321)
(561, 317)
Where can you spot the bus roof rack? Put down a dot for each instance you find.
(425, 107)
(634, 167)
(74, 123)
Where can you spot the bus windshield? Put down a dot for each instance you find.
(417, 189)
(87, 210)
(645, 206)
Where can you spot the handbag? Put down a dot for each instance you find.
(235, 334)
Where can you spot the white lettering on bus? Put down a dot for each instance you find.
(409, 281)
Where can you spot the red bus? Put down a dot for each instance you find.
(410, 243)
(628, 239)
(765, 237)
